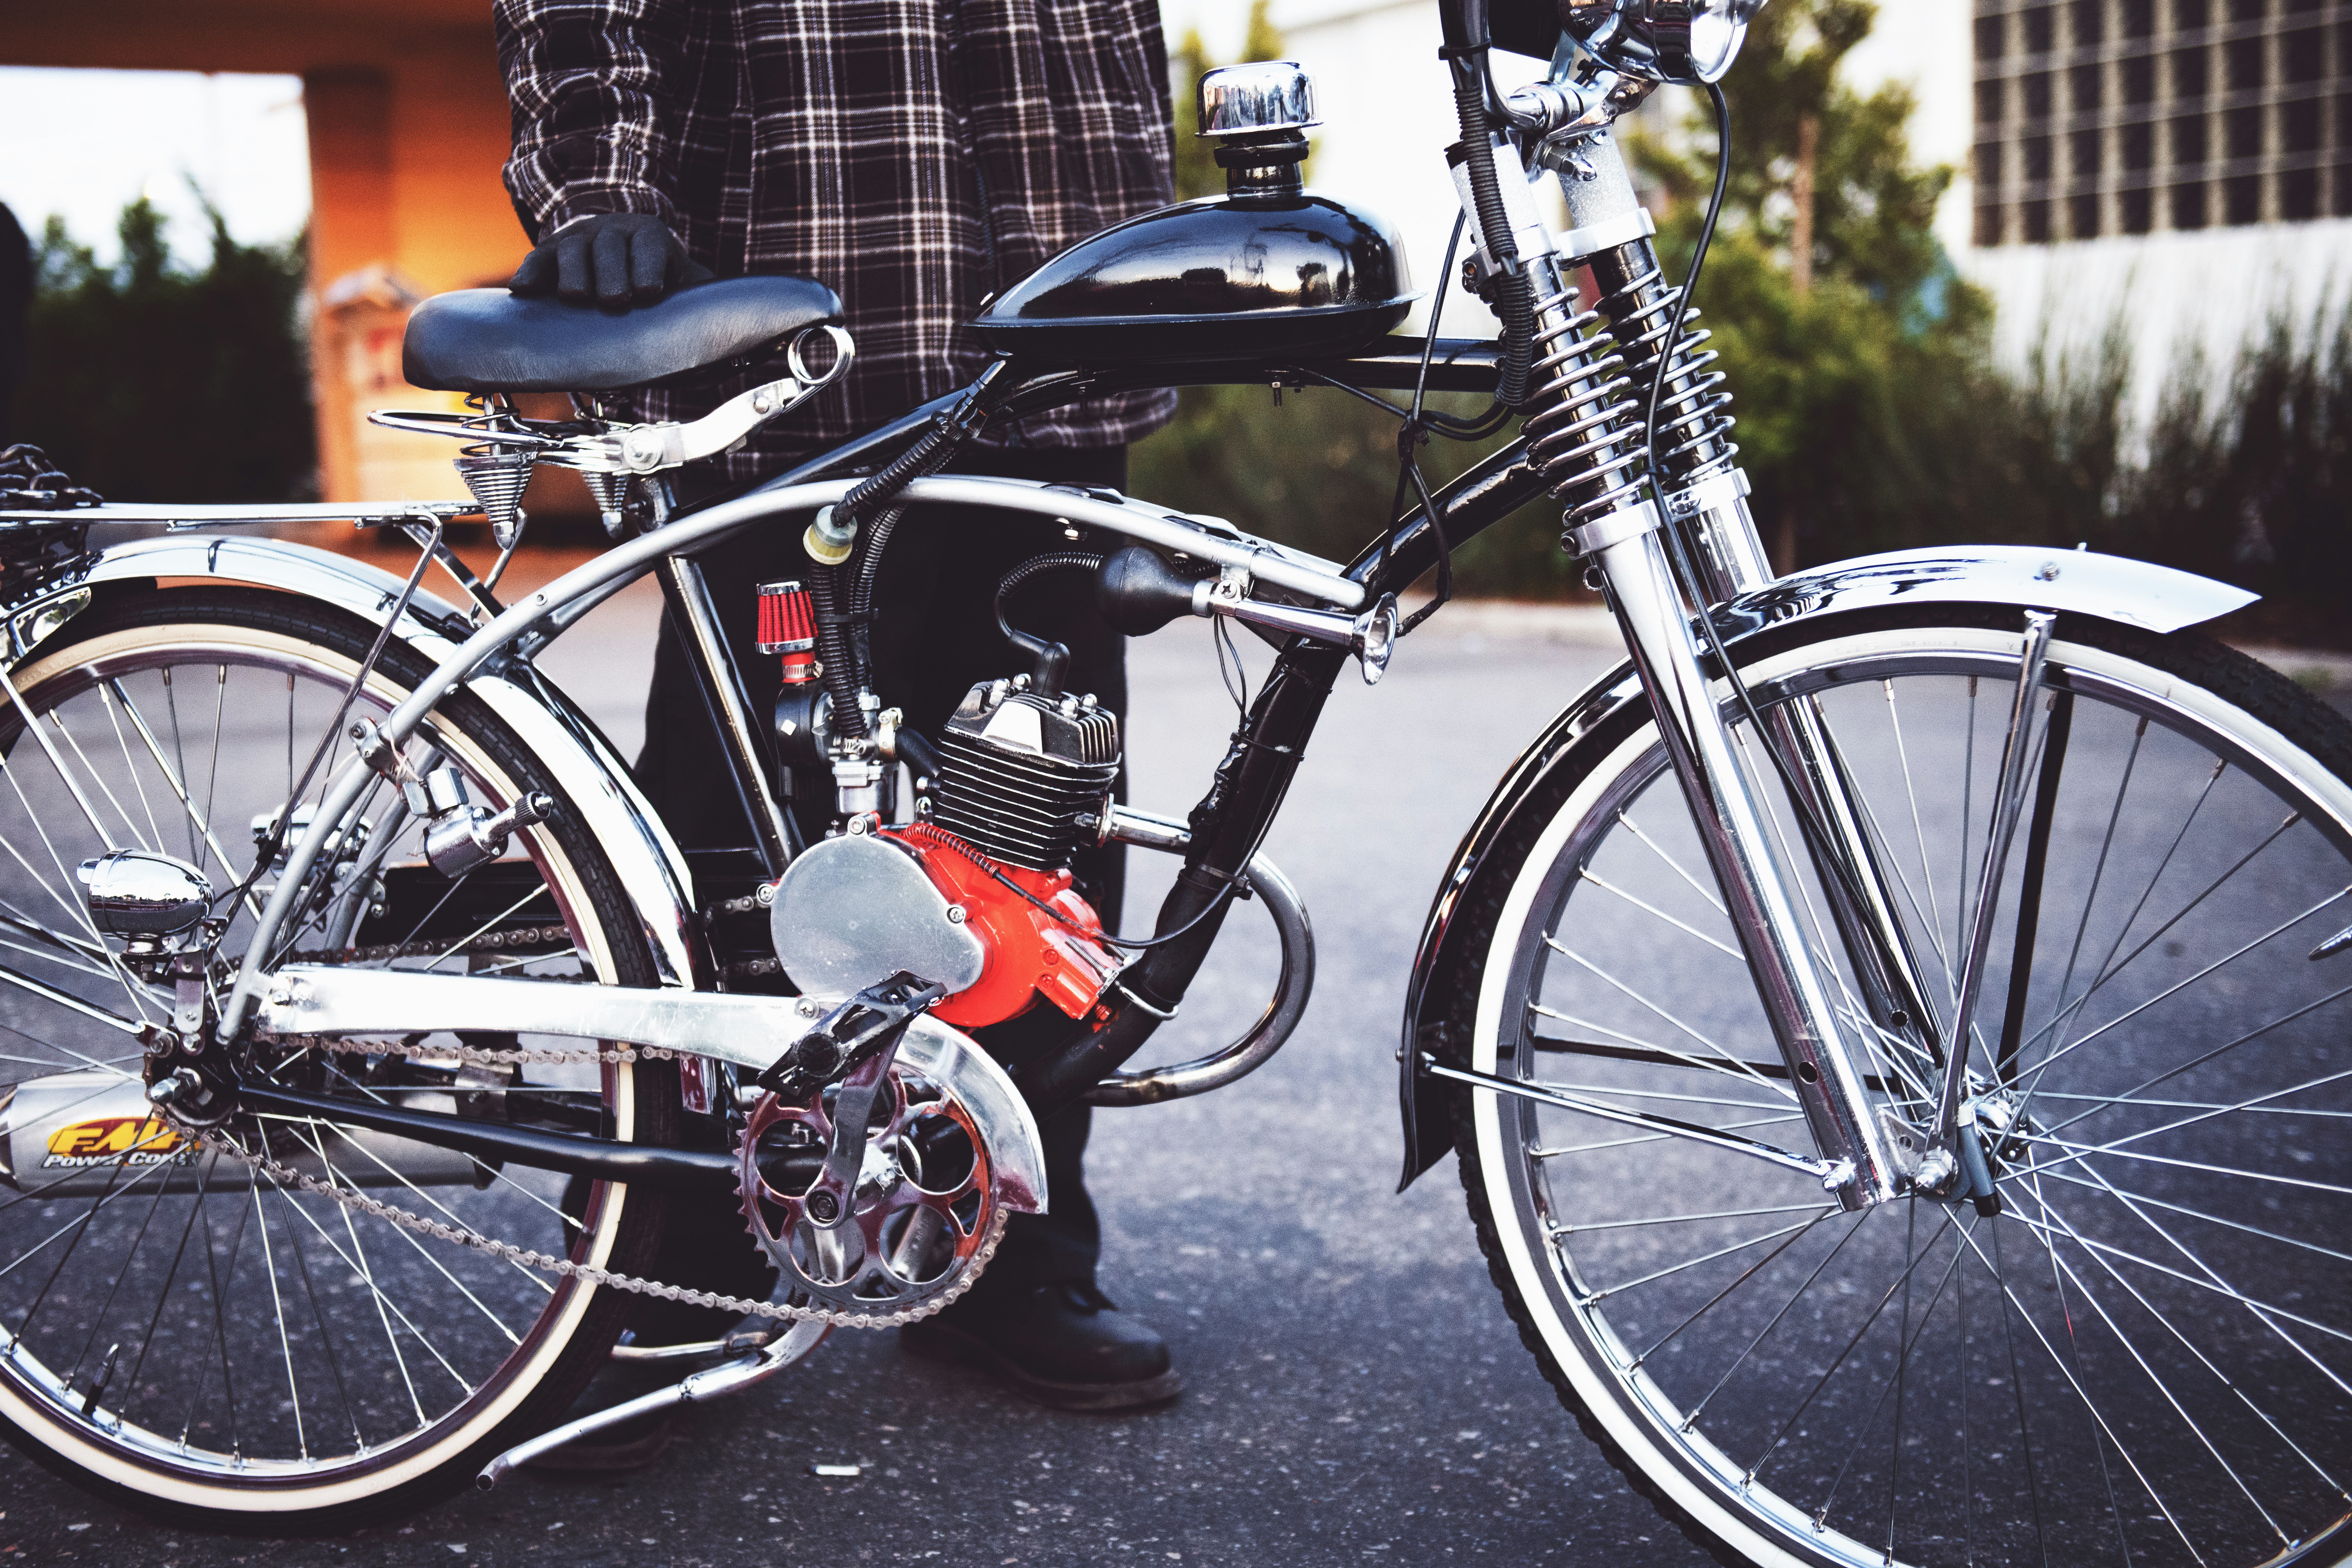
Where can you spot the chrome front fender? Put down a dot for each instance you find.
(2109, 587)
(565, 741)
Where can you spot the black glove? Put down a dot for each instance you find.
(617, 260)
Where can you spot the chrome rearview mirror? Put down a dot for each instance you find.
(1680, 41)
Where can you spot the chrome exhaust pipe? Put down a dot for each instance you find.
(81, 1133)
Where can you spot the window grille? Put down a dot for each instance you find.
(2122, 117)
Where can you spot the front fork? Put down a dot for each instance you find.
(1628, 548)
(1623, 539)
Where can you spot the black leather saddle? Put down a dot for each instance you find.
(487, 339)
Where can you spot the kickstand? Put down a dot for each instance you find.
(711, 1382)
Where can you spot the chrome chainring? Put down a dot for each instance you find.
(903, 1219)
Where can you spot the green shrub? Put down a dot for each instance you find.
(151, 381)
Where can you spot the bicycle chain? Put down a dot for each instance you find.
(556, 937)
(563, 1267)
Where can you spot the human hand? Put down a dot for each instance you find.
(617, 260)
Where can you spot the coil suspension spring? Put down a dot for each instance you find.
(1585, 435)
(1694, 418)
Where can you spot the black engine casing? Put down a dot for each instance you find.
(1017, 771)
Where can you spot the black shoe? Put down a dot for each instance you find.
(1065, 1345)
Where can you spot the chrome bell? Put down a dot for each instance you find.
(137, 892)
(1266, 95)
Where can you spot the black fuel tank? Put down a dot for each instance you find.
(1293, 275)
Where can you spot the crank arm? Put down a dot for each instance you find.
(712, 1383)
(868, 1023)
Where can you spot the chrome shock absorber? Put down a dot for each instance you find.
(1694, 418)
(1585, 432)
(1704, 494)
(1584, 428)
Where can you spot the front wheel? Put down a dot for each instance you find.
(2146, 1357)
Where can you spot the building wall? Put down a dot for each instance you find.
(409, 130)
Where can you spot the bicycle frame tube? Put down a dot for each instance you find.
(1251, 784)
(750, 763)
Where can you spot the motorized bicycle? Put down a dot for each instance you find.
(1890, 1027)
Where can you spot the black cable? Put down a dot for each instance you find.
(1808, 820)
(1409, 467)
(1037, 566)
(1223, 639)
(836, 660)
(870, 565)
(1511, 294)
(1437, 314)
(1672, 340)
(1494, 417)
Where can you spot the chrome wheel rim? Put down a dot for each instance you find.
(247, 1344)
(1683, 1291)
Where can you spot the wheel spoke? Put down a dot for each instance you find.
(2054, 1226)
(200, 825)
(1623, 1286)
(1822, 1382)
(1701, 889)
(1596, 880)
(106, 693)
(2060, 1222)
(358, 1262)
(1619, 986)
(1911, 792)
(32, 726)
(278, 1311)
(2042, 1066)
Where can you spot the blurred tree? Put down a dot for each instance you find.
(1843, 360)
(151, 381)
(1871, 415)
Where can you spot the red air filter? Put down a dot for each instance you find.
(788, 626)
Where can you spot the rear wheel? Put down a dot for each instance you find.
(2147, 1356)
(182, 1332)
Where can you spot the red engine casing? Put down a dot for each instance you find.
(1031, 954)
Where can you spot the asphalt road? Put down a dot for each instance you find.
(1355, 1393)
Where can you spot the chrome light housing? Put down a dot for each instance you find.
(1680, 41)
(139, 893)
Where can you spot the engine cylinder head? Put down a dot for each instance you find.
(1017, 769)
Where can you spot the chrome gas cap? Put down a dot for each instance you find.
(1267, 94)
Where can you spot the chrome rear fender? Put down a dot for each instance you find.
(566, 740)
(2110, 587)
